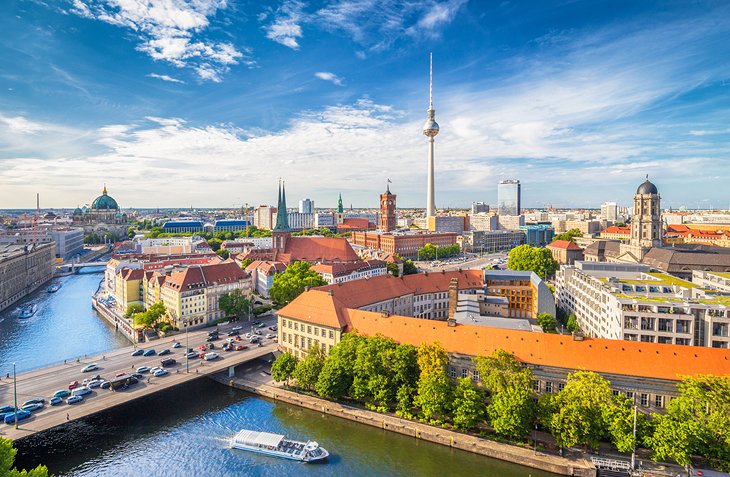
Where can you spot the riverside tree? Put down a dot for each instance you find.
(152, 317)
(468, 405)
(434, 386)
(335, 379)
(307, 370)
(283, 367)
(7, 458)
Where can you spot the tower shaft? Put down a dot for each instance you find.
(431, 194)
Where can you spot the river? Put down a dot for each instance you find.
(184, 431)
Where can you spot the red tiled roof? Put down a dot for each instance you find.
(338, 269)
(564, 244)
(320, 249)
(649, 360)
(617, 230)
(203, 276)
(317, 306)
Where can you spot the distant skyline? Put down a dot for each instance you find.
(208, 102)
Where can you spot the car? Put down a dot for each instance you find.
(94, 384)
(4, 409)
(211, 338)
(210, 356)
(272, 328)
(21, 414)
(105, 385)
(258, 332)
(55, 401)
(255, 323)
(191, 354)
(237, 328)
(164, 352)
(261, 325)
(73, 385)
(232, 333)
(271, 336)
(177, 344)
(155, 369)
(81, 391)
(160, 373)
(33, 401)
(241, 347)
(74, 399)
(249, 335)
(168, 362)
(231, 340)
(119, 375)
(138, 377)
(202, 355)
(138, 352)
(254, 339)
(62, 393)
(90, 367)
(143, 369)
(228, 347)
(36, 406)
(149, 352)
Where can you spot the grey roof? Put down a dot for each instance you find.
(647, 188)
(679, 259)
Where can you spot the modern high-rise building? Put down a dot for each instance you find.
(609, 211)
(509, 197)
(430, 130)
(306, 206)
(479, 207)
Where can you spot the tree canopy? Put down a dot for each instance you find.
(152, 317)
(234, 304)
(283, 367)
(290, 284)
(7, 458)
(547, 322)
(307, 370)
(538, 260)
(433, 252)
(568, 236)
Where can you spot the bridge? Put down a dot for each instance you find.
(75, 267)
(42, 383)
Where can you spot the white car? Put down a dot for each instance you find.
(81, 391)
(95, 383)
(270, 336)
(210, 356)
(155, 369)
(90, 367)
(143, 369)
(231, 340)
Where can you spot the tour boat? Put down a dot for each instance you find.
(26, 311)
(278, 445)
(54, 288)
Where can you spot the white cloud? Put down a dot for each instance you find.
(286, 28)
(173, 31)
(327, 76)
(167, 78)
(21, 125)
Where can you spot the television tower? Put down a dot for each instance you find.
(430, 130)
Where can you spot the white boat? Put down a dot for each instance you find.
(54, 288)
(26, 311)
(277, 445)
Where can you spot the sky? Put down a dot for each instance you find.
(207, 103)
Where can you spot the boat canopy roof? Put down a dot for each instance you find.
(255, 438)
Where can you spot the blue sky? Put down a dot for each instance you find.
(209, 102)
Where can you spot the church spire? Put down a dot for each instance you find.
(340, 207)
(104, 191)
(282, 217)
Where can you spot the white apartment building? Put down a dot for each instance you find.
(629, 302)
(345, 272)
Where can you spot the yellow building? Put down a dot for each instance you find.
(128, 288)
(296, 336)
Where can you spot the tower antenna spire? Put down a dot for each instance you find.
(430, 81)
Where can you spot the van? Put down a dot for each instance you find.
(81, 391)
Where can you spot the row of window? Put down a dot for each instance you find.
(303, 343)
(323, 332)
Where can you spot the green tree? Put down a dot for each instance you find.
(133, 309)
(468, 405)
(290, 284)
(619, 420)
(434, 396)
(392, 268)
(307, 370)
(234, 304)
(409, 268)
(337, 374)
(496, 371)
(246, 262)
(215, 244)
(7, 458)
(432, 358)
(547, 322)
(538, 260)
(696, 423)
(579, 410)
(223, 253)
(283, 367)
(131, 232)
(568, 236)
(572, 324)
(152, 317)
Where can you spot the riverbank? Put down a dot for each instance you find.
(497, 450)
(114, 319)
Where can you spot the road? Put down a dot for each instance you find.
(42, 383)
(474, 262)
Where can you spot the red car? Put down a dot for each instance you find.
(73, 385)
(201, 355)
(119, 375)
(238, 338)
(241, 347)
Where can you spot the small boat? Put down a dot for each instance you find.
(26, 311)
(278, 445)
(54, 288)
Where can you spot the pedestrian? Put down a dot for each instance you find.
(68, 417)
(7, 376)
(64, 361)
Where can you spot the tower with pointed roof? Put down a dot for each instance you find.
(387, 220)
(646, 223)
(281, 232)
(340, 207)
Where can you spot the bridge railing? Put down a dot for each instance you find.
(610, 464)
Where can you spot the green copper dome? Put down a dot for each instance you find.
(78, 211)
(104, 202)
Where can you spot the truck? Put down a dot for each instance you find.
(122, 382)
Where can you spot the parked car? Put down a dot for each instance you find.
(74, 399)
(55, 401)
(138, 352)
(270, 336)
(22, 414)
(232, 333)
(177, 344)
(211, 338)
(155, 369)
(192, 354)
(160, 373)
(62, 393)
(105, 385)
(149, 352)
(95, 383)
(168, 362)
(210, 356)
(164, 352)
(257, 332)
(261, 325)
(227, 347)
(33, 401)
(241, 347)
(138, 377)
(254, 339)
(143, 369)
(36, 406)
(90, 367)
(272, 328)
(73, 385)
(81, 391)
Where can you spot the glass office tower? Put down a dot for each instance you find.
(508, 198)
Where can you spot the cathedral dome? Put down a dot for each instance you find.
(104, 202)
(647, 188)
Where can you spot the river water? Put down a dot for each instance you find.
(183, 431)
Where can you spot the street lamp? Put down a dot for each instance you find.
(187, 348)
(15, 395)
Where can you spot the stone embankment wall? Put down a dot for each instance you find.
(506, 452)
(116, 321)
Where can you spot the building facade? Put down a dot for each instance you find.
(387, 220)
(538, 235)
(406, 244)
(478, 241)
(24, 268)
(306, 206)
(509, 197)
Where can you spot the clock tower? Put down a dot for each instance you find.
(387, 220)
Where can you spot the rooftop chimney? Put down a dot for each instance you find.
(453, 300)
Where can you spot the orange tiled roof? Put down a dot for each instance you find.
(564, 244)
(320, 249)
(649, 360)
(317, 306)
(203, 276)
(614, 229)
